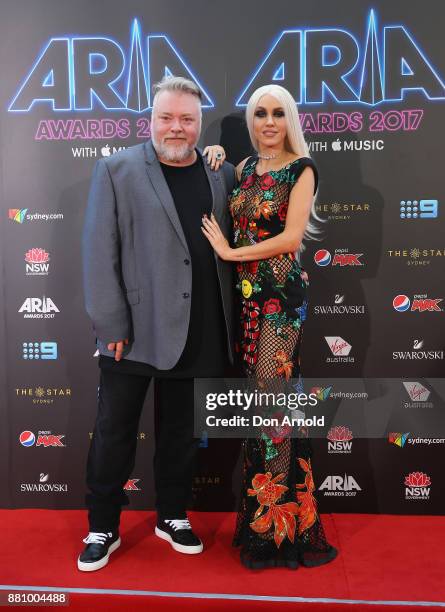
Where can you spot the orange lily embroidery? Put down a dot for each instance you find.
(281, 516)
(264, 208)
(285, 366)
(307, 512)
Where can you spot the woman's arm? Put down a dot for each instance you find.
(288, 241)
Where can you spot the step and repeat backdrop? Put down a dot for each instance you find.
(369, 82)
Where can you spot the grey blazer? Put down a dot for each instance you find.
(137, 283)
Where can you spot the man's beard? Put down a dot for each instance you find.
(177, 153)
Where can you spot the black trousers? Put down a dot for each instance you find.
(113, 447)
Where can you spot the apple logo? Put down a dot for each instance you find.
(336, 145)
(105, 151)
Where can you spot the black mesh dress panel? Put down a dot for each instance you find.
(277, 523)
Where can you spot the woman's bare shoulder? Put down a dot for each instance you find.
(240, 168)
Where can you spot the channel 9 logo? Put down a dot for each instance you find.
(419, 209)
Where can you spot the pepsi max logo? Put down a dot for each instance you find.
(27, 438)
(322, 257)
(401, 303)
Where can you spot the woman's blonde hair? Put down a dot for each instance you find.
(294, 143)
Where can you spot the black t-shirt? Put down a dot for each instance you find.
(205, 352)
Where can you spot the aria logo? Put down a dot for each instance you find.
(340, 350)
(420, 303)
(37, 262)
(131, 485)
(339, 307)
(341, 258)
(43, 486)
(339, 440)
(317, 65)
(340, 486)
(417, 486)
(38, 308)
(417, 354)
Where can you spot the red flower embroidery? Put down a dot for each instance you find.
(262, 234)
(307, 512)
(243, 221)
(285, 365)
(277, 433)
(252, 267)
(281, 516)
(267, 182)
(282, 211)
(248, 182)
(272, 306)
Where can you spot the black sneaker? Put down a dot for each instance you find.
(180, 535)
(99, 547)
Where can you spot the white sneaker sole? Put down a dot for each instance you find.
(187, 550)
(96, 565)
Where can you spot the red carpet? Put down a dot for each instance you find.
(382, 558)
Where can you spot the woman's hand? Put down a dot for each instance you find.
(215, 156)
(216, 238)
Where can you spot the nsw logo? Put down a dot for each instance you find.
(37, 262)
(339, 440)
(417, 486)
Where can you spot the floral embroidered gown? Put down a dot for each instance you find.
(278, 523)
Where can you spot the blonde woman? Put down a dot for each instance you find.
(273, 210)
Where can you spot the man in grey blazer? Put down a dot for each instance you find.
(161, 306)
